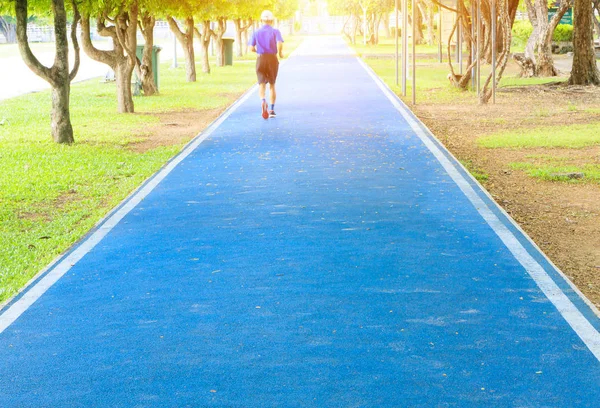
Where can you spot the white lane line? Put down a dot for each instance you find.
(563, 304)
(106, 225)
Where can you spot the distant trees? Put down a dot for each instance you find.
(8, 28)
(120, 20)
(363, 17)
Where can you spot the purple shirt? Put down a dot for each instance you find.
(265, 40)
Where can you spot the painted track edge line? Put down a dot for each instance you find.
(14, 307)
(593, 308)
(573, 316)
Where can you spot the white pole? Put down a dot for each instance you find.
(457, 35)
(396, 41)
(473, 50)
(414, 54)
(460, 41)
(478, 47)
(404, 44)
(493, 51)
(440, 51)
(365, 26)
(174, 65)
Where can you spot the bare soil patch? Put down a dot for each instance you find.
(175, 128)
(563, 218)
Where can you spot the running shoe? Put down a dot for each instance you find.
(272, 114)
(265, 113)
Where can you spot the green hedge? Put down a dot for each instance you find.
(563, 32)
(522, 30)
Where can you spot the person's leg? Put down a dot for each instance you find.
(262, 89)
(262, 85)
(272, 94)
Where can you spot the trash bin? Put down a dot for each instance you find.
(155, 60)
(228, 48)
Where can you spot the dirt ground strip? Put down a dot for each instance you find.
(563, 218)
(175, 128)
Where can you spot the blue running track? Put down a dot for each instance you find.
(336, 256)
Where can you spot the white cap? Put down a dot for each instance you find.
(267, 16)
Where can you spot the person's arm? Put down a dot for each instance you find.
(279, 39)
(252, 43)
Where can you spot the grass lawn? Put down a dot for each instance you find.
(559, 172)
(51, 195)
(570, 136)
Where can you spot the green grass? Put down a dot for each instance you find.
(479, 174)
(555, 172)
(516, 81)
(51, 195)
(570, 136)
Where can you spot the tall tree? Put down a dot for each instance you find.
(146, 23)
(118, 21)
(541, 36)
(204, 35)
(584, 71)
(185, 36)
(58, 75)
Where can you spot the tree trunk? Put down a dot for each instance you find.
(245, 39)
(545, 63)
(204, 38)
(354, 29)
(376, 24)
(419, 26)
(123, 73)
(219, 43)
(584, 71)
(186, 39)
(58, 76)
(190, 61)
(535, 33)
(238, 37)
(386, 25)
(145, 70)
(364, 26)
(596, 22)
(121, 58)
(430, 33)
(62, 130)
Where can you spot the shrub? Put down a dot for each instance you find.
(563, 32)
(522, 29)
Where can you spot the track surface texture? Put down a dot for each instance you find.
(330, 257)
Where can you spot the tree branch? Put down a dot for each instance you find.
(106, 57)
(30, 60)
(76, 20)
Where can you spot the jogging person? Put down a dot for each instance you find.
(267, 42)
